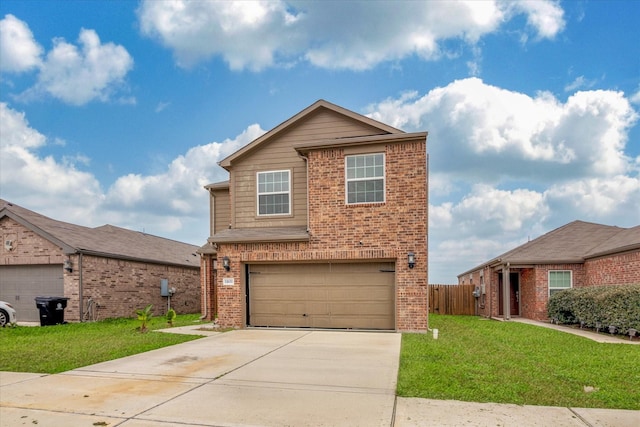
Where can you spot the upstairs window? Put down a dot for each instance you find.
(274, 193)
(559, 280)
(365, 178)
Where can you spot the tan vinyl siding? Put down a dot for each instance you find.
(222, 210)
(279, 154)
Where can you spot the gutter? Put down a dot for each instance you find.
(132, 258)
(306, 165)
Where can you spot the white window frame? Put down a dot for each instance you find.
(364, 179)
(549, 288)
(269, 193)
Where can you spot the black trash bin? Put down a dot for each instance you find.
(51, 310)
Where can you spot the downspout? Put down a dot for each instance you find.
(306, 164)
(206, 285)
(207, 270)
(80, 287)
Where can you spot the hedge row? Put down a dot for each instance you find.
(595, 306)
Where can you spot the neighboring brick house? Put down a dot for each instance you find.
(575, 255)
(317, 224)
(120, 270)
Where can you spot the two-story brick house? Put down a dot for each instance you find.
(322, 223)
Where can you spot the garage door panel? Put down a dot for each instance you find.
(279, 293)
(368, 293)
(364, 309)
(21, 284)
(317, 308)
(326, 295)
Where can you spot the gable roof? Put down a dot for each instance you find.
(107, 240)
(313, 108)
(572, 243)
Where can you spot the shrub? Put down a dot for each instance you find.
(144, 316)
(560, 307)
(171, 316)
(617, 306)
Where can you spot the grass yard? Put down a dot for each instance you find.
(508, 362)
(53, 349)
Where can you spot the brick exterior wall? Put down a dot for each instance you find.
(30, 248)
(118, 286)
(381, 231)
(534, 285)
(621, 269)
(207, 286)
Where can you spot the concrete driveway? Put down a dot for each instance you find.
(244, 377)
(261, 378)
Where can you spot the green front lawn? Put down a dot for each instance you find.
(473, 359)
(508, 362)
(59, 348)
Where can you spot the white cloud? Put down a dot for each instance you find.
(635, 97)
(19, 51)
(162, 106)
(246, 34)
(41, 181)
(487, 211)
(547, 18)
(172, 203)
(183, 180)
(506, 167)
(609, 200)
(488, 222)
(482, 131)
(580, 82)
(15, 130)
(73, 74)
(80, 74)
(353, 35)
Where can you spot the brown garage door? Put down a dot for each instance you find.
(322, 295)
(20, 284)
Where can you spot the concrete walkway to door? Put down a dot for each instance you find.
(245, 377)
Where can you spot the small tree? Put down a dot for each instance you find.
(145, 316)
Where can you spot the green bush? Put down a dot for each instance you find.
(605, 306)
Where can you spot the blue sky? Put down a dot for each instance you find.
(118, 111)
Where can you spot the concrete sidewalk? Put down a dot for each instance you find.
(261, 378)
(585, 333)
(412, 412)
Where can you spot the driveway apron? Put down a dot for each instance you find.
(239, 378)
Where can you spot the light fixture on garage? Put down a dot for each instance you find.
(411, 258)
(67, 265)
(226, 263)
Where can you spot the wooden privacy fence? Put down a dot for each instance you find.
(452, 299)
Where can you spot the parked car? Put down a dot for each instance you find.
(7, 314)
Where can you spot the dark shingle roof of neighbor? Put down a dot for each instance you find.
(571, 243)
(107, 240)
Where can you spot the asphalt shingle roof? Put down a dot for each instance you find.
(106, 240)
(571, 243)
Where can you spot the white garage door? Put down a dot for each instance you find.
(357, 296)
(20, 284)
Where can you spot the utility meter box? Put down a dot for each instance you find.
(164, 287)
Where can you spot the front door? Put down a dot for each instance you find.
(514, 279)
